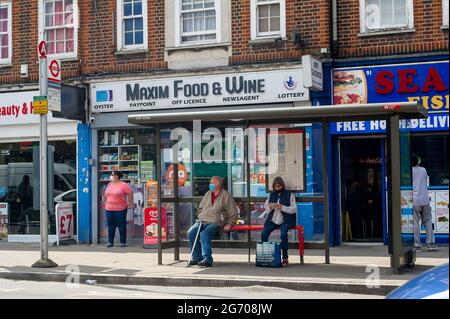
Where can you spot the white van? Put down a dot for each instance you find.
(12, 174)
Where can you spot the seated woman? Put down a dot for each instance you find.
(282, 209)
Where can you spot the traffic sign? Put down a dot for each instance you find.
(42, 49)
(54, 71)
(54, 85)
(40, 105)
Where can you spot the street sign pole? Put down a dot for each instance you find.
(44, 262)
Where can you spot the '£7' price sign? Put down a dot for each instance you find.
(65, 215)
(65, 225)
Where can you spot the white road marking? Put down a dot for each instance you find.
(10, 290)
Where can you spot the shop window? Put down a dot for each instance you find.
(5, 33)
(133, 153)
(381, 15)
(132, 25)
(18, 180)
(433, 151)
(198, 21)
(59, 27)
(268, 18)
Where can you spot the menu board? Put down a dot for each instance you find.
(407, 211)
(441, 211)
(439, 200)
(287, 158)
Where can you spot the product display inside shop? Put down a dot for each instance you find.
(133, 153)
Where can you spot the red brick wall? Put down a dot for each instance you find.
(311, 17)
(96, 48)
(428, 36)
(99, 47)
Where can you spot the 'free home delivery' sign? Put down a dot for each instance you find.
(427, 83)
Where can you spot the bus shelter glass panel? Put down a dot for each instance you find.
(243, 217)
(291, 151)
(168, 219)
(295, 153)
(218, 150)
(407, 212)
(187, 218)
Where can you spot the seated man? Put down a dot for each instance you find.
(216, 210)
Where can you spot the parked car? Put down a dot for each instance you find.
(67, 197)
(431, 284)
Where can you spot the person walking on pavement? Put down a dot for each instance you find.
(421, 205)
(281, 208)
(116, 206)
(216, 210)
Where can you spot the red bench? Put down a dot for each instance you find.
(299, 228)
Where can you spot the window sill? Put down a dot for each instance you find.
(266, 40)
(385, 32)
(5, 64)
(135, 51)
(444, 27)
(199, 47)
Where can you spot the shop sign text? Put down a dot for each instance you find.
(245, 88)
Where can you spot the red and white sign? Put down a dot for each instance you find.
(64, 221)
(54, 85)
(54, 71)
(42, 49)
(151, 225)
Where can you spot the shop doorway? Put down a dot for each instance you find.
(361, 176)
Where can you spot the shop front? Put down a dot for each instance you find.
(19, 178)
(359, 196)
(235, 150)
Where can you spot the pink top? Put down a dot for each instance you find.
(116, 196)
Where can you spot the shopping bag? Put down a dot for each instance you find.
(268, 254)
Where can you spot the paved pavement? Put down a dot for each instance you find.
(352, 268)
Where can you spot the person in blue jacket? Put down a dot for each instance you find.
(282, 209)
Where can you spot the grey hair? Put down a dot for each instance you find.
(219, 179)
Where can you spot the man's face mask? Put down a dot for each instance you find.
(211, 186)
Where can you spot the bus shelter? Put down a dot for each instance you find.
(288, 133)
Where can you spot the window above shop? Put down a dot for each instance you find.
(58, 24)
(5, 33)
(268, 19)
(132, 28)
(198, 22)
(386, 16)
(445, 14)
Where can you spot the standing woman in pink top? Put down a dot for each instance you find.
(116, 205)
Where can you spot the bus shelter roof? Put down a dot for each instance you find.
(284, 112)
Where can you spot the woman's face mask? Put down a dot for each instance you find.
(111, 178)
(211, 186)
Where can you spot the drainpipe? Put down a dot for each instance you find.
(334, 38)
